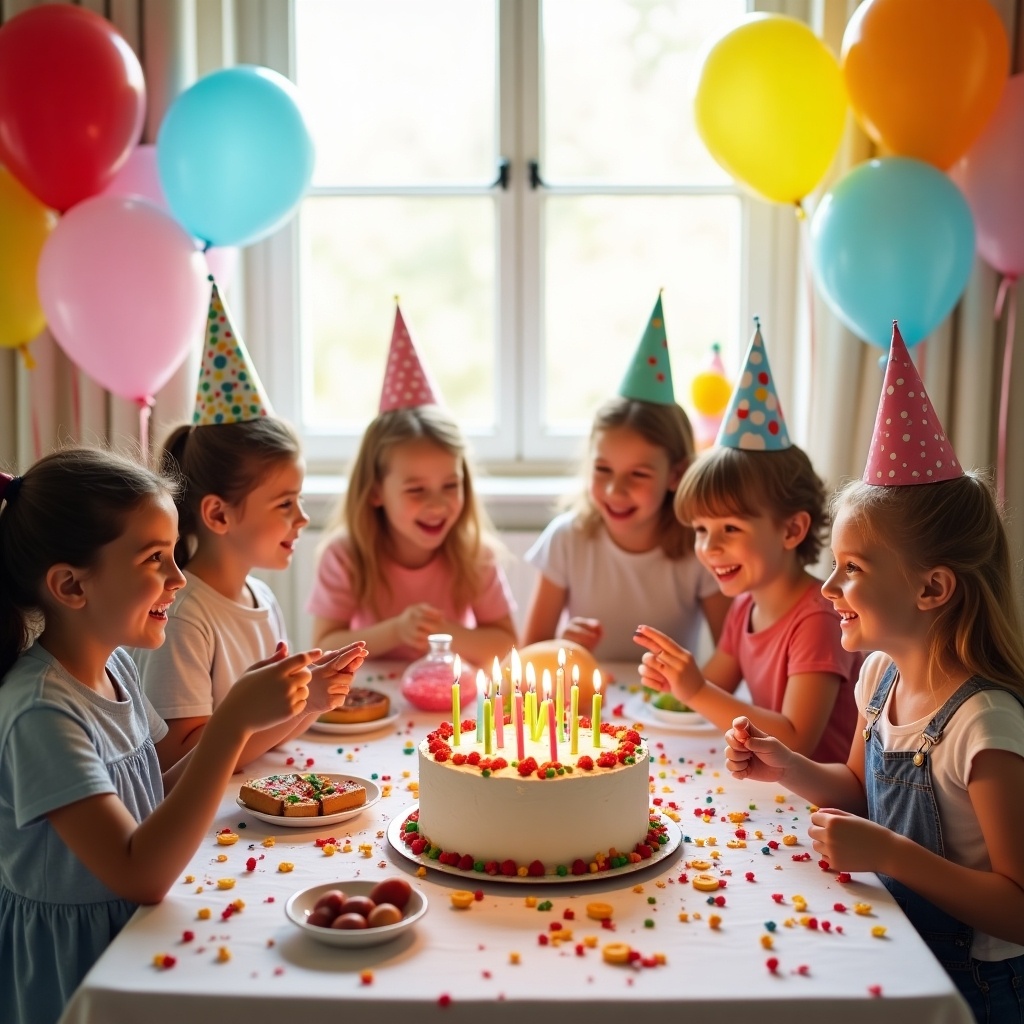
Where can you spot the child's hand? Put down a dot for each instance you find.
(416, 623)
(332, 677)
(271, 691)
(751, 753)
(585, 632)
(667, 666)
(848, 842)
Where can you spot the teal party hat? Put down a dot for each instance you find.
(753, 421)
(649, 377)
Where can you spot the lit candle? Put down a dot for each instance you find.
(531, 699)
(560, 694)
(496, 681)
(481, 685)
(574, 712)
(488, 727)
(552, 730)
(546, 688)
(595, 714)
(456, 704)
(517, 719)
(499, 721)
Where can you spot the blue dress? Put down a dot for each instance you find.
(61, 742)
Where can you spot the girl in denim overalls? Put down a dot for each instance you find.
(929, 796)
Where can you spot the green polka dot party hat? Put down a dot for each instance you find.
(649, 376)
(229, 389)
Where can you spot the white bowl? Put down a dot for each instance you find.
(301, 904)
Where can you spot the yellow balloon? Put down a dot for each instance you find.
(710, 392)
(771, 106)
(26, 225)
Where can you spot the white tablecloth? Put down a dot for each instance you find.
(458, 965)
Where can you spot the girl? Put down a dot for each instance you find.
(86, 541)
(410, 553)
(923, 575)
(758, 510)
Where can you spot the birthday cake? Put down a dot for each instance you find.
(496, 813)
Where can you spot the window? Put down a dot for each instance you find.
(526, 288)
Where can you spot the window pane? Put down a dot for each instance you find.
(437, 255)
(618, 87)
(606, 258)
(399, 91)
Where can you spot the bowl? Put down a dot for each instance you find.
(300, 905)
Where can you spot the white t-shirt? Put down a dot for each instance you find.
(621, 588)
(210, 641)
(990, 720)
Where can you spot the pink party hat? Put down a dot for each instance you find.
(908, 445)
(406, 381)
(230, 390)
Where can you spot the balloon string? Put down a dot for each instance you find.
(1007, 294)
(805, 244)
(26, 357)
(145, 405)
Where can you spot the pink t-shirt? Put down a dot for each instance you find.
(805, 639)
(332, 596)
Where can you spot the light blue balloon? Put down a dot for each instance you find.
(892, 240)
(235, 155)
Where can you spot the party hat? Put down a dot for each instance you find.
(908, 445)
(230, 390)
(407, 383)
(649, 377)
(753, 421)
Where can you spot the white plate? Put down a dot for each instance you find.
(301, 903)
(372, 796)
(678, 721)
(355, 728)
(675, 837)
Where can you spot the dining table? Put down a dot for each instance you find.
(784, 937)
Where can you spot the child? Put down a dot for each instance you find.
(86, 566)
(758, 510)
(923, 575)
(239, 510)
(409, 555)
(621, 556)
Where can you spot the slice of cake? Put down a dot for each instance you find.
(267, 795)
(342, 796)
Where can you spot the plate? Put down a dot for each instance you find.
(355, 728)
(372, 796)
(675, 837)
(301, 903)
(678, 721)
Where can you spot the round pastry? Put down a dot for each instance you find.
(361, 705)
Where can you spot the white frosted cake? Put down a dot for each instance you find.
(494, 813)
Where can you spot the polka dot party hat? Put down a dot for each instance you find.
(406, 381)
(649, 377)
(753, 420)
(229, 388)
(908, 445)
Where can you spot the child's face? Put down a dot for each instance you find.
(268, 523)
(743, 553)
(422, 496)
(132, 584)
(629, 478)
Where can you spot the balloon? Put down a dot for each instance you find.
(992, 177)
(125, 292)
(235, 155)
(892, 240)
(26, 226)
(72, 101)
(770, 106)
(923, 79)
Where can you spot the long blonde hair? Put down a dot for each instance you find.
(665, 426)
(365, 525)
(956, 524)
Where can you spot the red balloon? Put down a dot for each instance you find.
(72, 102)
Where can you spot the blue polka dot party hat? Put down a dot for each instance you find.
(229, 389)
(649, 376)
(753, 421)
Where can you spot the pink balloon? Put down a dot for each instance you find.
(991, 176)
(124, 291)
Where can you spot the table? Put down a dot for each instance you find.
(457, 966)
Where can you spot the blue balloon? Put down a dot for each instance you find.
(235, 155)
(892, 240)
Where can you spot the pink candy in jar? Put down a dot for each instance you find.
(427, 683)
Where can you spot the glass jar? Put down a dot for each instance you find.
(427, 683)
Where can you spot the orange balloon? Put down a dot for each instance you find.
(924, 78)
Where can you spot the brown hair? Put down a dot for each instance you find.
(68, 506)
(956, 524)
(737, 482)
(226, 459)
(668, 428)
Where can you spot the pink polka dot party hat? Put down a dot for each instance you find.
(230, 390)
(649, 376)
(407, 383)
(753, 420)
(908, 444)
